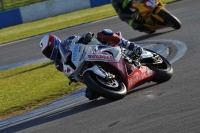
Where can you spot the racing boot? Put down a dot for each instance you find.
(91, 95)
(144, 56)
(130, 46)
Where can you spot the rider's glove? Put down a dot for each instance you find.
(86, 38)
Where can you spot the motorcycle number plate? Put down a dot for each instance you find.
(150, 3)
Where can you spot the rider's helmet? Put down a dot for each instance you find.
(50, 46)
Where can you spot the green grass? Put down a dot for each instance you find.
(30, 85)
(27, 87)
(10, 4)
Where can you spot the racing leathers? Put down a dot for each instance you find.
(128, 13)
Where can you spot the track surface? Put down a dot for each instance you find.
(154, 108)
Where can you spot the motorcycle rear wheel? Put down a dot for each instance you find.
(114, 91)
(170, 19)
(163, 71)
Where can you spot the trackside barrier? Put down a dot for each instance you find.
(95, 3)
(44, 10)
(10, 18)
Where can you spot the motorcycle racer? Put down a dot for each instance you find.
(55, 49)
(128, 14)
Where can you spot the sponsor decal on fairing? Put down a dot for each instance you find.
(74, 55)
(101, 57)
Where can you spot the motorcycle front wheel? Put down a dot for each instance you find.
(113, 89)
(170, 19)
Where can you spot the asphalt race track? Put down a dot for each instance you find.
(171, 107)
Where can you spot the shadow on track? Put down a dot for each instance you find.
(147, 36)
(57, 115)
(142, 88)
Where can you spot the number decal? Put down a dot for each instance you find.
(150, 3)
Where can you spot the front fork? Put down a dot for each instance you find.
(100, 72)
(156, 11)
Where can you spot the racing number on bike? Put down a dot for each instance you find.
(150, 3)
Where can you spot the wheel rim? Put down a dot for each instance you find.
(112, 83)
(161, 66)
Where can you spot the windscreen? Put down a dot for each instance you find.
(65, 49)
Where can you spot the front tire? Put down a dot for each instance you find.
(170, 19)
(109, 91)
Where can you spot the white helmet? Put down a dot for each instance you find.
(50, 46)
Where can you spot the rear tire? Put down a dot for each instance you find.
(92, 81)
(170, 19)
(163, 71)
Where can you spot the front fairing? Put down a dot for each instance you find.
(145, 6)
(92, 52)
(103, 53)
(70, 55)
